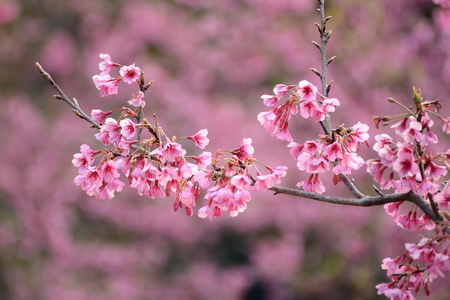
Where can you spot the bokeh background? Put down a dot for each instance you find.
(211, 61)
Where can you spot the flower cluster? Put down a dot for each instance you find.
(337, 152)
(407, 164)
(416, 268)
(304, 98)
(158, 166)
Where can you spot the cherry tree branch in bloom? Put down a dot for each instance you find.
(159, 166)
(325, 123)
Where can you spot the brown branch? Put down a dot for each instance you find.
(76, 108)
(367, 201)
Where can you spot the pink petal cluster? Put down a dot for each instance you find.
(415, 269)
(106, 84)
(401, 168)
(303, 98)
(130, 73)
(138, 100)
(200, 139)
(319, 156)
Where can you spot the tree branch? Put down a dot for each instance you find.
(74, 104)
(367, 201)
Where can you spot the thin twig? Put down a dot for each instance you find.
(76, 108)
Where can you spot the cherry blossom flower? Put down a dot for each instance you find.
(382, 140)
(203, 160)
(106, 65)
(296, 149)
(200, 139)
(99, 116)
(392, 209)
(128, 128)
(169, 151)
(426, 186)
(138, 100)
(310, 108)
(311, 147)
(108, 171)
(401, 126)
(205, 211)
(412, 132)
(307, 91)
(270, 100)
(130, 73)
(349, 162)
(106, 84)
(245, 150)
(445, 124)
(443, 198)
(313, 185)
(264, 182)
(329, 105)
(333, 151)
(241, 182)
(109, 132)
(405, 166)
(84, 159)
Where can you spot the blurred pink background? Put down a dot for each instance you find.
(211, 62)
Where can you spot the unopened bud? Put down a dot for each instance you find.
(417, 98)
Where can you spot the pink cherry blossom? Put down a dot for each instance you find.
(329, 105)
(203, 160)
(245, 150)
(310, 108)
(376, 169)
(130, 73)
(443, 198)
(406, 166)
(205, 211)
(296, 149)
(128, 128)
(99, 116)
(445, 124)
(426, 186)
(429, 138)
(270, 100)
(200, 139)
(401, 126)
(241, 182)
(392, 209)
(203, 178)
(264, 182)
(109, 132)
(359, 132)
(311, 147)
(351, 161)
(108, 171)
(89, 180)
(170, 151)
(84, 159)
(138, 100)
(106, 84)
(413, 131)
(387, 156)
(307, 91)
(106, 65)
(333, 151)
(313, 185)
(382, 140)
